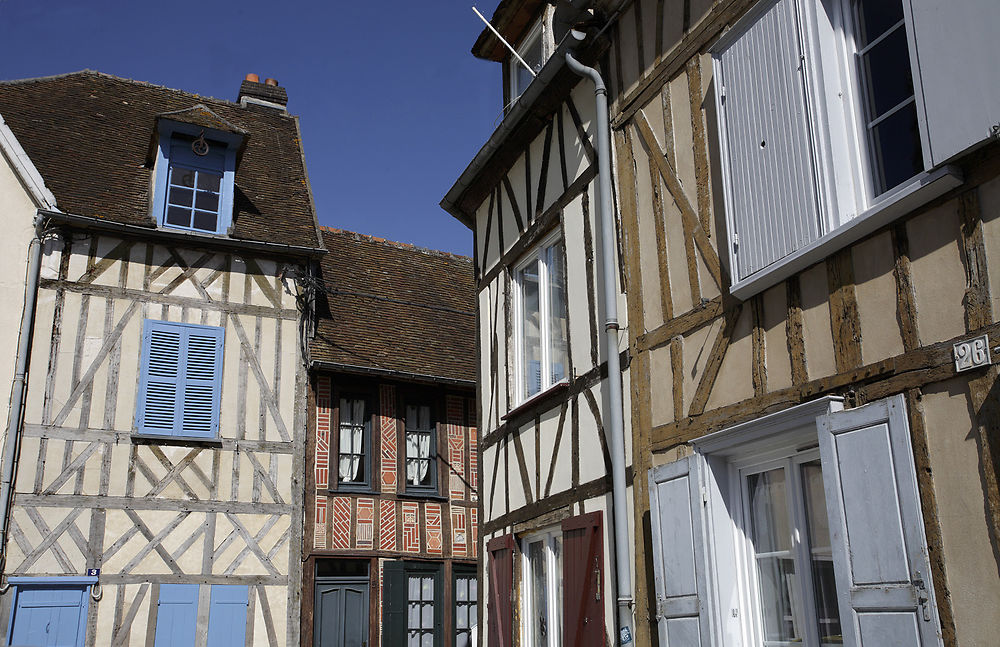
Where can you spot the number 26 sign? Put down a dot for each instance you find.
(972, 353)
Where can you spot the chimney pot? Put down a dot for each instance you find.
(253, 77)
(273, 82)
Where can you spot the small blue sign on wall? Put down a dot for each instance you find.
(626, 635)
(93, 572)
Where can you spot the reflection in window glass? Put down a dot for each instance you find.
(543, 319)
(420, 463)
(543, 597)
(466, 609)
(821, 556)
(420, 611)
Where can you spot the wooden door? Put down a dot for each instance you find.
(49, 616)
(341, 613)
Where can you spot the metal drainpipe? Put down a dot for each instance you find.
(17, 390)
(614, 423)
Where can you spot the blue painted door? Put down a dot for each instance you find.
(50, 616)
(176, 615)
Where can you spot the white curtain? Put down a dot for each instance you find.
(352, 429)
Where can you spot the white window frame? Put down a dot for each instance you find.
(731, 454)
(849, 208)
(536, 253)
(553, 566)
(542, 30)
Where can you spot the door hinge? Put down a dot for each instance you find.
(923, 599)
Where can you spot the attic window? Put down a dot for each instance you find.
(535, 49)
(195, 168)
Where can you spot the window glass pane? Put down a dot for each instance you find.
(181, 177)
(886, 67)
(413, 615)
(179, 196)
(769, 511)
(557, 543)
(179, 216)
(771, 539)
(413, 588)
(896, 143)
(205, 221)
(530, 330)
(876, 17)
(539, 629)
(207, 201)
(558, 317)
(821, 556)
(209, 181)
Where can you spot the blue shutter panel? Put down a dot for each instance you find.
(180, 379)
(176, 615)
(199, 403)
(160, 378)
(227, 617)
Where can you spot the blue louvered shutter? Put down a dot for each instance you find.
(199, 402)
(176, 615)
(49, 615)
(180, 379)
(227, 617)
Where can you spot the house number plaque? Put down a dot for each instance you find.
(971, 353)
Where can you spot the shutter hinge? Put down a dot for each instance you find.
(722, 93)
(704, 495)
(736, 242)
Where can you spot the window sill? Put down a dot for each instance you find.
(536, 399)
(433, 496)
(919, 191)
(352, 489)
(181, 441)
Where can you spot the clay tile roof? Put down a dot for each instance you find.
(395, 307)
(88, 135)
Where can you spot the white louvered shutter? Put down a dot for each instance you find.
(876, 529)
(769, 171)
(679, 562)
(958, 49)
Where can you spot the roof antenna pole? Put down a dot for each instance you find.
(504, 41)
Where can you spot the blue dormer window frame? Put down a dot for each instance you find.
(194, 192)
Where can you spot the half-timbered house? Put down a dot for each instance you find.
(531, 197)
(809, 204)
(392, 509)
(160, 452)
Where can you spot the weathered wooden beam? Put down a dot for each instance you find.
(677, 375)
(625, 163)
(662, 261)
(929, 513)
(911, 369)
(700, 143)
(794, 337)
(718, 353)
(696, 317)
(758, 366)
(689, 219)
(142, 503)
(512, 197)
(522, 468)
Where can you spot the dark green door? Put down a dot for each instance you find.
(341, 613)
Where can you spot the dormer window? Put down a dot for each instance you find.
(194, 184)
(535, 48)
(194, 177)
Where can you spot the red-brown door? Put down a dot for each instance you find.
(501, 574)
(583, 578)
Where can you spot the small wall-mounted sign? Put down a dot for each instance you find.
(93, 572)
(626, 636)
(971, 353)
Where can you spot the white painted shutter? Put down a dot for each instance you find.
(679, 563)
(876, 528)
(767, 153)
(957, 48)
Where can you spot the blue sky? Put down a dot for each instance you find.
(392, 104)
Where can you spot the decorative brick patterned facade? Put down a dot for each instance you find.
(387, 433)
(319, 529)
(341, 538)
(473, 451)
(366, 524)
(456, 445)
(323, 416)
(435, 538)
(387, 525)
(411, 528)
(459, 534)
(474, 527)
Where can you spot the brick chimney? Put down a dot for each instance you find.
(268, 93)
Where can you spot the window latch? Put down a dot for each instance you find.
(597, 580)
